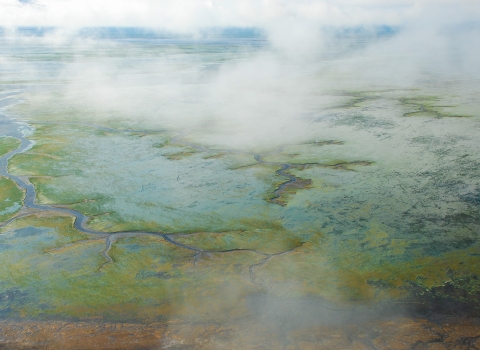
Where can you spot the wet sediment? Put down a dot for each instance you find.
(393, 333)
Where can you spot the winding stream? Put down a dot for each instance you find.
(20, 130)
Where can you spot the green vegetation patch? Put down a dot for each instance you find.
(8, 144)
(49, 270)
(28, 265)
(11, 199)
(269, 241)
(434, 107)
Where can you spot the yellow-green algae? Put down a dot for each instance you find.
(436, 107)
(56, 271)
(8, 144)
(269, 241)
(11, 196)
(317, 268)
(61, 272)
(11, 199)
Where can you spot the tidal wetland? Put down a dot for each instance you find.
(150, 207)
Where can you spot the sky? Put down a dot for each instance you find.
(189, 15)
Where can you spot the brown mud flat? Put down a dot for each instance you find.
(394, 333)
(288, 189)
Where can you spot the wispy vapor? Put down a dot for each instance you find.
(311, 49)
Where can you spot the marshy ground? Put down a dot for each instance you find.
(361, 231)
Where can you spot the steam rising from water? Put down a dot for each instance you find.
(259, 94)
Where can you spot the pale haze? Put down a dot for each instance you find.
(191, 14)
(308, 54)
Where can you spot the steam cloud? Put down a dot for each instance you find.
(270, 95)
